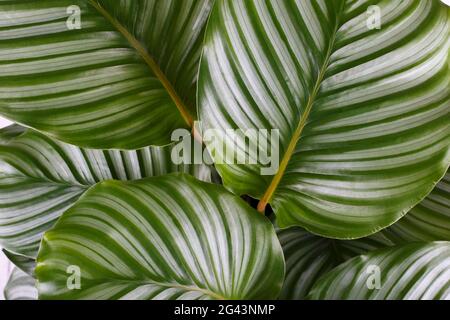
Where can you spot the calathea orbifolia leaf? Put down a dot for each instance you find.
(169, 237)
(428, 221)
(308, 257)
(362, 111)
(26, 264)
(415, 271)
(20, 286)
(101, 73)
(41, 177)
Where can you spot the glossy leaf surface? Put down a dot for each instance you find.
(101, 74)
(308, 257)
(40, 178)
(170, 237)
(362, 112)
(428, 221)
(412, 272)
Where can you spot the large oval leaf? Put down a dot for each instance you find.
(41, 177)
(428, 221)
(126, 78)
(20, 286)
(412, 272)
(362, 113)
(170, 237)
(308, 257)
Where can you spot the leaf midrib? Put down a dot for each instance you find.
(173, 285)
(182, 108)
(270, 191)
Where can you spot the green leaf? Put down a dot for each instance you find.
(428, 221)
(170, 237)
(126, 79)
(40, 178)
(362, 113)
(308, 257)
(412, 272)
(23, 263)
(10, 132)
(20, 286)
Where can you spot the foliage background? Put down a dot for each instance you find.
(5, 265)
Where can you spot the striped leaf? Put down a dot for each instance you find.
(308, 257)
(124, 77)
(362, 113)
(23, 263)
(170, 237)
(10, 132)
(411, 272)
(40, 178)
(428, 221)
(20, 286)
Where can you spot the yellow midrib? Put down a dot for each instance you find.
(150, 62)
(270, 191)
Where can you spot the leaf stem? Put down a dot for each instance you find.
(150, 62)
(298, 131)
